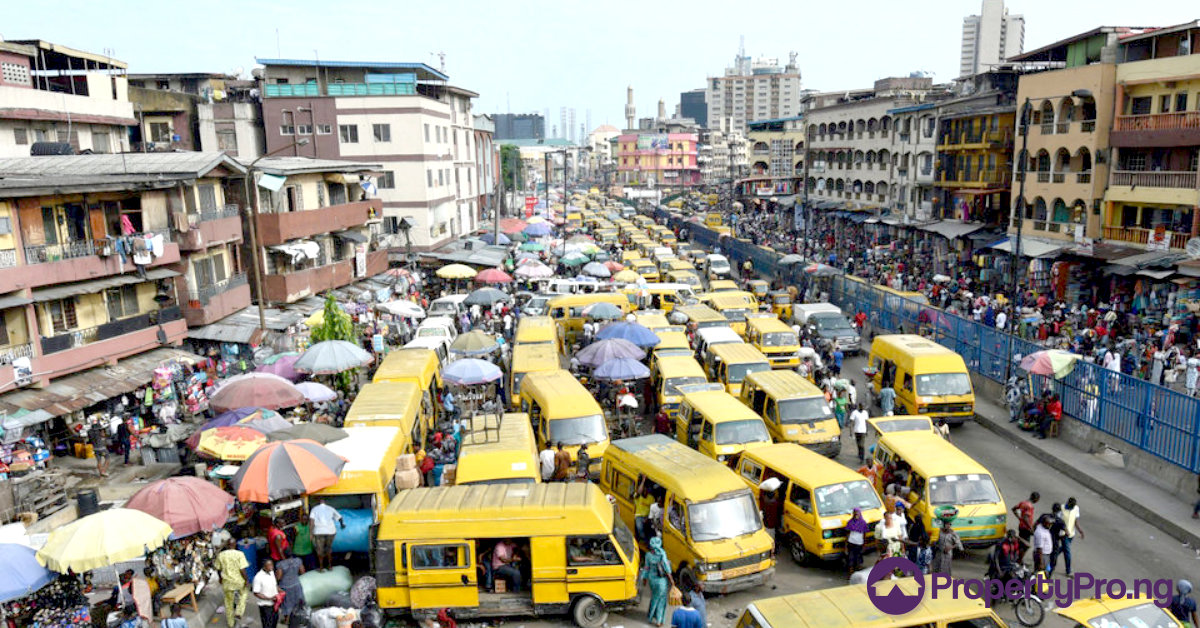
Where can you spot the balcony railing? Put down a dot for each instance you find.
(1047, 128)
(43, 253)
(228, 211)
(120, 327)
(1043, 177)
(1155, 179)
(9, 354)
(1138, 235)
(8, 258)
(1062, 127)
(204, 294)
(1159, 121)
(1083, 177)
(1058, 177)
(1087, 126)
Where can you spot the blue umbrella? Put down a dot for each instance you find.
(602, 351)
(539, 229)
(22, 574)
(469, 372)
(621, 368)
(637, 334)
(491, 238)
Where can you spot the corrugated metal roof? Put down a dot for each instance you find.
(62, 291)
(178, 164)
(13, 300)
(299, 165)
(78, 391)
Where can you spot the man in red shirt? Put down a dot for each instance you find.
(276, 540)
(1053, 413)
(1024, 513)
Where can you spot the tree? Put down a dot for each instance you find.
(510, 166)
(336, 325)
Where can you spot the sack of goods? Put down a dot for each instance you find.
(407, 478)
(406, 461)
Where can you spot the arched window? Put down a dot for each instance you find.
(1039, 208)
(1061, 212)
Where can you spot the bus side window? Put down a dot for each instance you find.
(769, 412)
(908, 382)
(750, 470)
(801, 497)
(675, 515)
(707, 434)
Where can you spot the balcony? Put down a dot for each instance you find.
(978, 178)
(1083, 177)
(975, 140)
(304, 90)
(279, 228)
(290, 286)
(211, 228)
(1153, 187)
(8, 258)
(74, 261)
(1156, 179)
(212, 303)
(84, 348)
(1157, 130)
(12, 352)
(925, 175)
(1138, 235)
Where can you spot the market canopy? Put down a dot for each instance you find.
(286, 469)
(259, 390)
(402, 308)
(455, 271)
(105, 538)
(189, 505)
(234, 442)
(471, 372)
(333, 356)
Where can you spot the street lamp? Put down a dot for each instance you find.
(257, 263)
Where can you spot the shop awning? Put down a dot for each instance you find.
(1188, 270)
(78, 391)
(952, 228)
(352, 236)
(1152, 259)
(1156, 274)
(1030, 247)
(1118, 270)
(62, 291)
(871, 221)
(1106, 251)
(786, 201)
(859, 218)
(13, 300)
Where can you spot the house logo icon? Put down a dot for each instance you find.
(884, 592)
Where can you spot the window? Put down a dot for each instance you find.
(908, 382)
(5, 227)
(62, 315)
(100, 143)
(304, 129)
(675, 515)
(287, 129)
(208, 197)
(383, 132)
(1181, 101)
(337, 194)
(122, 302)
(1136, 161)
(324, 129)
(21, 136)
(387, 181)
(1164, 103)
(584, 551)
(348, 133)
(801, 497)
(320, 194)
(440, 556)
(429, 177)
(162, 84)
(227, 139)
(441, 177)
(294, 198)
(14, 73)
(426, 131)
(1139, 106)
(218, 266)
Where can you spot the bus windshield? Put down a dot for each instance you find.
(741, 432)
(726, 518)
(938, 384)
(579, 430)
(738, 372)
(671, 385)
(795, 411)
(842, 499)
(971, 488)
(779, 339)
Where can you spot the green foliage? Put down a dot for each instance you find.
(337, 326)
(510, 166)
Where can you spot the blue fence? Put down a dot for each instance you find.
(1156, 419)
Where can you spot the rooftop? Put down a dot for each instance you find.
(285, 166)
(1057, 50)
(166, 164)
(423, 71)
(57, 57)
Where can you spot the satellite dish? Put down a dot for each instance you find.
(1193, 248)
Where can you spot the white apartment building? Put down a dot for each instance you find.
(51, 93)
(405, 116)
(753, 90)
(990, 37)
(914, 147)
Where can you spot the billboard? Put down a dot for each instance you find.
(653, 141)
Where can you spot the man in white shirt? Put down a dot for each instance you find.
(266, 589)
(324, 521)
(546, 461)
(858, 424)
(1001, 320)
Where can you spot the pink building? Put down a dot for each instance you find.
(663, 159)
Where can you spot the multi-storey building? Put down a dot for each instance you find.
(663, 159)
(51, 93)
(519, 126)
(914, 145)
(487, 166)
(166, 107)
(692, 105)
(753, 90)
(1154, 180)
(405, 116)
(975, 149)
(990, 37)
(233, 123)
(776, 157)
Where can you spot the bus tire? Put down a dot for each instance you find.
(589, 612)
(796, 549)
(685, 579)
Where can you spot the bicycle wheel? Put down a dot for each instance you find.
(1029, 610)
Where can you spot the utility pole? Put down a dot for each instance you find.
(256, 257)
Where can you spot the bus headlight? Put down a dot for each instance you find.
(722, 458)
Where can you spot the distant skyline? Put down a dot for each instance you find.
(533, 56)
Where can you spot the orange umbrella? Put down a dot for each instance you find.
(287, 469)
(234, 442)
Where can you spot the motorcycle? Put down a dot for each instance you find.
(1028, 606)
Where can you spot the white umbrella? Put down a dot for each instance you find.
(332, 356)
(402, 308)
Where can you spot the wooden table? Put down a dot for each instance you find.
(179, 594)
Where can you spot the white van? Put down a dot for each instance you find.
(715, 265)
(437, 327)
(451, 306)
(709, 337)
(827, 322)
(437, 344)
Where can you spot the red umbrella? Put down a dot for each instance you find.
(287, 469)
(188, 504)
(493, 275)
(255, 390)
(512, 225)
(613, 267)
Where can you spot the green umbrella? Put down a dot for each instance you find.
(517, 237)
(574, 259)
(533, 246)
(474, 343)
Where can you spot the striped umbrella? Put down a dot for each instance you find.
(286, 469)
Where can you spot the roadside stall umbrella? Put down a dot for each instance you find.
(333, 356)
(1050, 362)
(614, 267)
(535, 220)
(474, 343)
(402, 308)
(533, 247)
(789, 259)
(318, 432)
(316, 392)
(225, 419)
(189, 505)
(633, 332)
(596, 269)
(602, 351)
(626, 276)
(485, 297)
(603, 312)
(22, 573)
(271, 359)
(534, 271)
(286, 469)
(260, 390)
(821, 270)
(492, 238)
(493, 275)
(284, 367)
(232, 443)
(574, 259)
(266, 425)
(455, 271)
(471, 372)
(621, 368)
(538, 230)
(512, 225)
(105, 538)
(524, 257)
(579, 237)
(518, 236)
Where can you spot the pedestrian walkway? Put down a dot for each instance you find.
(1167, 511)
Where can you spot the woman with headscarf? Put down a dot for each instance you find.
(856, 536)
(287, 574)
(656, 570)
(1183, 607)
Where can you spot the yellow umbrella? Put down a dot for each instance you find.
(315, 319)
(233, 442)
(105, 538)
(533, 220)
(456, 271)
(626, 276)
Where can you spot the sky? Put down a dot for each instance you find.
(530, 55)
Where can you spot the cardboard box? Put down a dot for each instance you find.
(407, 478)
(500, 585)
(406, 461)
(449, 472)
